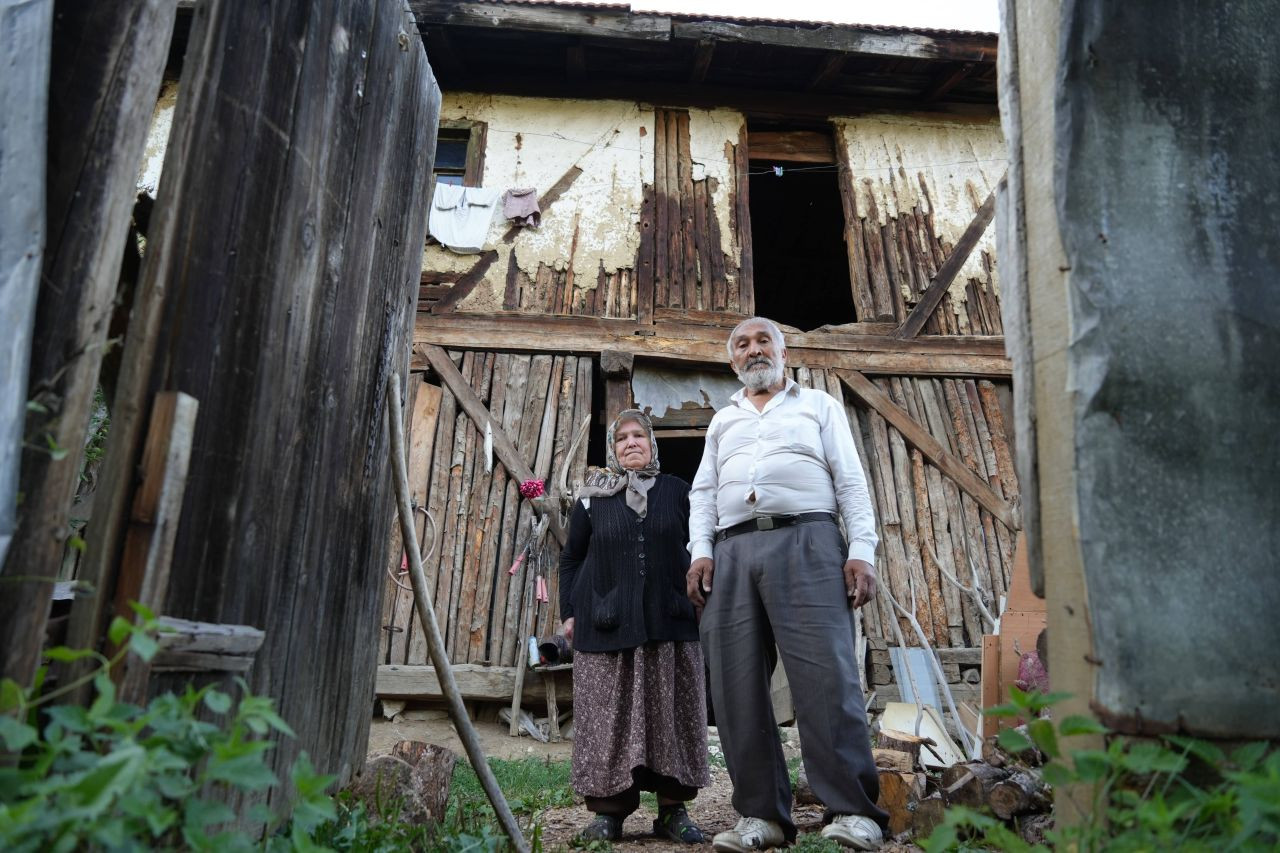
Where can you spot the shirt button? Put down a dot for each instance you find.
(640, 537)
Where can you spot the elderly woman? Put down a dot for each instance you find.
(640, 720)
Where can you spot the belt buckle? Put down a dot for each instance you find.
(765, 523)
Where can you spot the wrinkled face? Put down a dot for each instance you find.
(631, 445)
(757, 358)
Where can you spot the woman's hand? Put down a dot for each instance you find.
(567, 629)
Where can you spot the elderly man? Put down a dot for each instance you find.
(779, 465)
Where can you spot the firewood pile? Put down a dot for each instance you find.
(1003, 784)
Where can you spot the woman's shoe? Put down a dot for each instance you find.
(673, 822)
(602, 828)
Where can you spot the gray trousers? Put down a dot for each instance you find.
(787, 586)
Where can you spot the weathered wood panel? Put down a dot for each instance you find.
(289, 296)
(24, 107)
(104, 77)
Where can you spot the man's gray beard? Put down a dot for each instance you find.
(759, 379)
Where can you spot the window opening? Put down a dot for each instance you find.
(797, 229)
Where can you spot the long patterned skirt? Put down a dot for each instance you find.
(642, 707)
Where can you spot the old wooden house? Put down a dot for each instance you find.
(692, 171)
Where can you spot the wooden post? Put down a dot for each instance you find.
(157, 506)
(616, 368)
(107, 61)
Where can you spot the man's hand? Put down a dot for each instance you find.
(859, 582)
(567, 630)
(697, 580)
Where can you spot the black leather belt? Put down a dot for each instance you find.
(772, 522)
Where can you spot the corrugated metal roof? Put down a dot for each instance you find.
(744, 19)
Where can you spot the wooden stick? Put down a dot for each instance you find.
(435, 642)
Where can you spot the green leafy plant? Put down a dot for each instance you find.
(1136, 795)
(118, 776)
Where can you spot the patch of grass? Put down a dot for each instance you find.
(530, 786)
(793, 768)
(812, 842)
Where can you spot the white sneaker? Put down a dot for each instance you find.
(856, 831)
(751, 833)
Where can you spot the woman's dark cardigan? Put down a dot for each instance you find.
(622, 577)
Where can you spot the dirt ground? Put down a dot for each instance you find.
(712, 810)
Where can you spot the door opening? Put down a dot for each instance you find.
(797, 236)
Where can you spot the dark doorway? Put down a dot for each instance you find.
(797, 240)
(679, 457)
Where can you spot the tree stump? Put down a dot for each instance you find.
(409, 785)
(892, 759)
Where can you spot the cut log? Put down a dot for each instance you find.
(899, 795)
(902, 742)
(893, 759)
(928, 815)
(970, 784)
(1022, 792)
(997, 756)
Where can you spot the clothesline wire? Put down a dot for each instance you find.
(720, 160)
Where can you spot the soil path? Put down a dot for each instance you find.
(712, 810)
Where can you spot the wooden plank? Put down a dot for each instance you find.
(845, 39)
(706, 284)
(185, 635)
(153, 525)
(979, 356)
(746, 301)
(927, 444)
(87, 82)
(675, 223)
(949, 269)
(661, 217)
(715, 253)
(454, 509)
(512, 537)
(688, 214)
(877, 265)
(593, 22)
(425, 415)
(855, 248)
(646, 264)
(827, 71)
(475, 682)
(437, 500)
(792, 146)
(477, 522)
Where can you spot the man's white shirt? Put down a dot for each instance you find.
(795, 456)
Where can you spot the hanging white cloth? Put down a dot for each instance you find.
(460, 216)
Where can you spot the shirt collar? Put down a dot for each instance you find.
(789, 387)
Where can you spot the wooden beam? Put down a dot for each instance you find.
(475, 681)
(830, 68)
(792, 146)
(922, 440)
(616, 367)
(947, 81)
(153, 524)
(702, 55)
(476, 274)
(480, 414)
(598, 23)
(976, 356)
(755, 101)
(947, 272)
(846, 39)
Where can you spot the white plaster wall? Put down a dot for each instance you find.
(158, 138)
(532, 142)
(961, 162)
